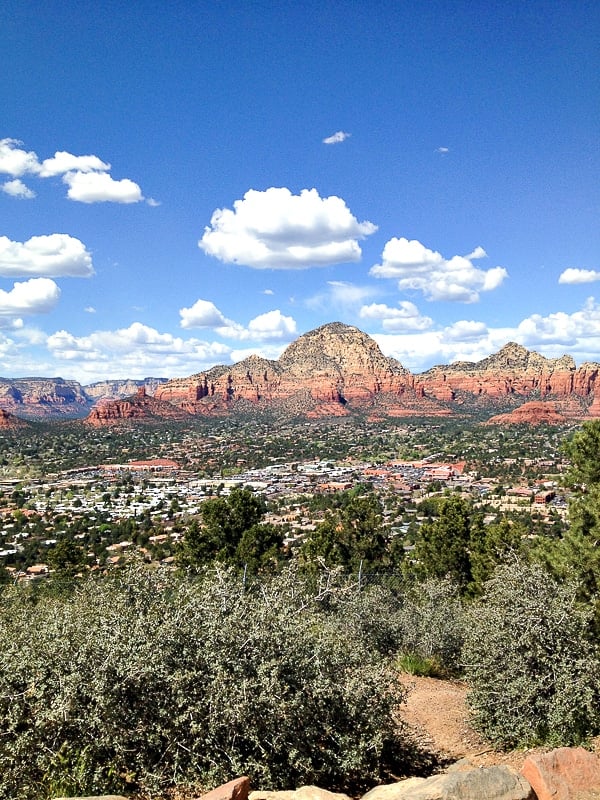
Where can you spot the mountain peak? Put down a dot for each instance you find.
(337, 348)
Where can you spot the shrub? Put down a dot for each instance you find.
(144, 681)
(530, 660)
(431, 621)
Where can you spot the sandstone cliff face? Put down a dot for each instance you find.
(512, 372)
(121, 389)
(141, 408)
(38, 398)
(320, 373)
(531, 413)
(337, 367)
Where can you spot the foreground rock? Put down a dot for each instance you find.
(563, 774)
(459, 783)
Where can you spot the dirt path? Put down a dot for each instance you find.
(437, 714)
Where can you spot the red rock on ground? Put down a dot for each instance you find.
(563, 774)
(236, 789)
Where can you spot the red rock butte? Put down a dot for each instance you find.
(337, 370)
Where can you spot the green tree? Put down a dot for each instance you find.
(349, 535)
(442, 548)
(576, 554)
(223, 522)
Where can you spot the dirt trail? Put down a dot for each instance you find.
(437, 714)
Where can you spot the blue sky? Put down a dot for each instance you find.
(185, 183)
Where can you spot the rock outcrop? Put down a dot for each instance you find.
(10, 422)
(334, 370)
(531, 413)
(337, 369)
(563, 773)
(41, 398)
(121, 389)
(139, 408)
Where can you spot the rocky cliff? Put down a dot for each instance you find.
(337, 368)
(120, 389)
(40, 398)
(140, 407)
(334, 370)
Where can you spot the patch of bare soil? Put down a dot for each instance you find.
(437, 715)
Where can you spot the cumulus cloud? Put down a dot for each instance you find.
(572, 275)
(16, 188)
(86, 176)
(405, 317)
(275, 229)
(136, 351)
(417, 267)
(35, 296)
(337, 137)
(66, 162)
(442, 150)
(272, 325)
(55, 255)
(15, 161)
(203, 314)
(99, 187)
(466, 331)
(579, 330)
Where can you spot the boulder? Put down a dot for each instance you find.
(303, 793)
(563, 773)
(237, 789)
(95, 797)
(491, 783)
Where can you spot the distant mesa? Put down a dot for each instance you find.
(334, 370)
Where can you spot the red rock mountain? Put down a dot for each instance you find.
(335, 370)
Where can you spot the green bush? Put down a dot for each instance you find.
(431, 623)
(145, 681)
(531, 661)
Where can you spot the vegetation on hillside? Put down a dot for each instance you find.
(246, 656)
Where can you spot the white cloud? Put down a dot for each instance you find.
(276, 229)
(572, 275)
(15, 161)
(272, 325)
(55, 255)
(442, 150)
(89, 310)
(86, 176)
(16, 188)
(579, 331)
(152, 202)
(66, 162)
(35, 296)
(136, 351)
(335, 138)
(418, 268)
(404, 318)
(268, 291)
(99, 187)
(465, 331)
(203, 314)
